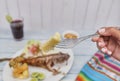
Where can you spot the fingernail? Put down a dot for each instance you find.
(96, 37)
(109, 52)
(101, 44)
(104, 50)
(101, 30)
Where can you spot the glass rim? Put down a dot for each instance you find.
(18, 18)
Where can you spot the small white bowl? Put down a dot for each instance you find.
(70, 31)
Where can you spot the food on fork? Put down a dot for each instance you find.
(47, 61)
(70, 34)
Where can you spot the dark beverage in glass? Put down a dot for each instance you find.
(17, 29)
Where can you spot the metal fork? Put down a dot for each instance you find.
(70, 43)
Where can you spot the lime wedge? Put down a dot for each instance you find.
(41, 76)
(34, 74)
(9, 18)
(34, 79)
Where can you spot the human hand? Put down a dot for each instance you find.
(109, 41)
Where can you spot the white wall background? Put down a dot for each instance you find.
(65, 14)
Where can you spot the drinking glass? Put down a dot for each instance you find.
(17, 28)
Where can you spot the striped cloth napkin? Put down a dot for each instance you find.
(101, 67)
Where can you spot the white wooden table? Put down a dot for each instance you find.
(82, 52)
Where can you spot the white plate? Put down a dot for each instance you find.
(7, 72)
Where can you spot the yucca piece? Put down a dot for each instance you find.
(50, 44)
(21, 71)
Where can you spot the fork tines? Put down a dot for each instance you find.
(67, 43)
